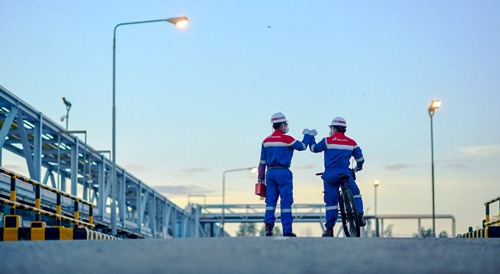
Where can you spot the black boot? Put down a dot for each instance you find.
(289, 234)
(362, 221)
(328, 232)
(269, 229)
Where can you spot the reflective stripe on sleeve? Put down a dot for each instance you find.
(356, 196)
(360, 159)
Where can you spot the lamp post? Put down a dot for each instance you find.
(252, 169)
(376, 183)
(68, 107)
(435, 104)
(179, 22)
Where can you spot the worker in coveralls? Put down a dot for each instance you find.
(276, 154)
(338, 150)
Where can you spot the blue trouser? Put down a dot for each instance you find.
(331, 184)
(279, 184)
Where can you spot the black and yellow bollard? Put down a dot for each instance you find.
(37, 231)
(12, 223)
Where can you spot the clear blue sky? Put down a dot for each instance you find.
(192, 103)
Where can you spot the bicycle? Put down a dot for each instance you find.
(347, 207)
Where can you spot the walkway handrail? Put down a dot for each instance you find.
(487, 221)
(45, 212)
(37, 208)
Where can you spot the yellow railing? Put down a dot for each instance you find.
(13, 203)
(487, 220)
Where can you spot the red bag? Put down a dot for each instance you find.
(260, 189)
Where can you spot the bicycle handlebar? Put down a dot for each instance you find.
(353, 171)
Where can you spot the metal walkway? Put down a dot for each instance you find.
(60, 159)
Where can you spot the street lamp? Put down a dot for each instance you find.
(68, 107)
(376, 183)
(251, 169)
(435, 104)
(179, 22)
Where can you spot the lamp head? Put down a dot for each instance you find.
(435, 104)
(376, 183)
(180, 21)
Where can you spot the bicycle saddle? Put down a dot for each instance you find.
(344, 177)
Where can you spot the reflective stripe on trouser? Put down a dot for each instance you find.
(356, 194)
(331, 198)
(279, 184)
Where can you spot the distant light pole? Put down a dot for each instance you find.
(179, 22)
(252, 169)
(435, 104)
(68, 107)
(376, 183)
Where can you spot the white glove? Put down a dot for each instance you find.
(306, 131)
(313, 132)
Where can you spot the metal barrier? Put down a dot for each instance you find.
(39, 232)
(490, 229)
(13, 230)
(37, 208)
(487, 221)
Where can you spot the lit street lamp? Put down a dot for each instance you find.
(376, 183)
(179, 22)
(251, 169)
(68, 107)
(435, 104)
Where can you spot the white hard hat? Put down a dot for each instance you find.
(278, 117)
(338, 121)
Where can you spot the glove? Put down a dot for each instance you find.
(313, 132)
(358, 168)
(305, 131)
(261, 181)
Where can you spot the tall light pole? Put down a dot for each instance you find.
(68, 107)
(376, 183)
(252, 169)
(179, 22)
(435, 104)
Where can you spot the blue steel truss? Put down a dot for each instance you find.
(60, 159)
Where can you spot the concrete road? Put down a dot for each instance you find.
(253, 255)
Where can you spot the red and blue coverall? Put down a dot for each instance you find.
(276, 154)
(338, 150)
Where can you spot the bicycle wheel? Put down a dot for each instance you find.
(351, 226)
(343, 215)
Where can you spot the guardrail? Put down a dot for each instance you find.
(37, 208)
(490, 229)
(487, 221)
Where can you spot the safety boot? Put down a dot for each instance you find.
(362, 221)
(328, 232)
(269, 229)
(289, 234)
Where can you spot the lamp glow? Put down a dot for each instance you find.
(435, 104)
(180, 22)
